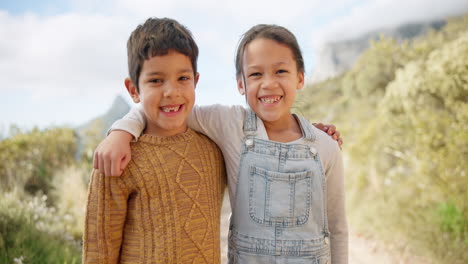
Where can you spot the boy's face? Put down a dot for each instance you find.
(167, 93)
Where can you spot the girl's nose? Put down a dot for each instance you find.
(269, 82)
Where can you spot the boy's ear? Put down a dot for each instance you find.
(300, 84)
(240, 86)
(132, 90)
(197, 77)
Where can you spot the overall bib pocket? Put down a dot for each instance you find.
(279, 199)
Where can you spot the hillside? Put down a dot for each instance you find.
(92, 132)
(402, 109)
(337, 57)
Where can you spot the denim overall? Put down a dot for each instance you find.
(279, 213)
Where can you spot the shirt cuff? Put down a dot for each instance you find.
(133, 127)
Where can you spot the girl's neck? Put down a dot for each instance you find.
(285, 130)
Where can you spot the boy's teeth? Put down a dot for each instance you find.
(170, 109)
(270, 100)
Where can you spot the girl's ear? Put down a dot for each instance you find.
(300, 83)
(240, 86)
(132, 90)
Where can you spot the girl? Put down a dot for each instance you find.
(285, 176)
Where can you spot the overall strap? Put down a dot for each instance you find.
(307, 128)
(250, 122)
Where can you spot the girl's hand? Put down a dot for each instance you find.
(113, 153)
(331, 131)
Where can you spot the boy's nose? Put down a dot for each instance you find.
(171, 90)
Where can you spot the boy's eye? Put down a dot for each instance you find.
(184, 78)
(281, 71)
(155, 81)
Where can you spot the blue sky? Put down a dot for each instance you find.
(63, 62)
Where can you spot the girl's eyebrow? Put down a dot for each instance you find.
(280, 63)
(275, 64)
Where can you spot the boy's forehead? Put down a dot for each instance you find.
(171, 61)
(164, 52)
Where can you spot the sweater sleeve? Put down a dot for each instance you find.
(105, 218)
(336, 208)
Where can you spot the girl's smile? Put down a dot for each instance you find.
(270, 100)
(271, 78)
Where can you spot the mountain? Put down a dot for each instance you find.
(93, 131)
(117, 110)
(337, 57)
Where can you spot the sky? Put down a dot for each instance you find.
(63, 62)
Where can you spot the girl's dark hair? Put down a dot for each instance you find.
(272, 32)
(156, 37)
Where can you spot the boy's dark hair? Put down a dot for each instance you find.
(272, 32)
(156, 37)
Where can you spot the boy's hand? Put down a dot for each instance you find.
(331, 131)
(113, 153)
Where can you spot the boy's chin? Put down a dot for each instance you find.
(165, 129)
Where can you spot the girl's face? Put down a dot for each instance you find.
(271, 79)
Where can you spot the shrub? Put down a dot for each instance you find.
(29, 160)
(31, 232)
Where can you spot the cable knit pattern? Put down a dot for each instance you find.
(165, 208)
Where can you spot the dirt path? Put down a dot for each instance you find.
(361, 250)
(364, 251)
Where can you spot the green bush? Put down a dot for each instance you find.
(31, 232)
(29, 160)
(403, 111)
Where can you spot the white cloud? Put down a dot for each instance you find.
(63, 55)
(241, 12)
(81, 55)
(373, 15)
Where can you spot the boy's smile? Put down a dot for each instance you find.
(167, 93)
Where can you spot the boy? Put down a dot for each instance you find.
(165, 208)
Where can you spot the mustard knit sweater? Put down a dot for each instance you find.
(165, 208)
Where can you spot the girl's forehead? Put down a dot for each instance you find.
(267, 50)
(262, 41)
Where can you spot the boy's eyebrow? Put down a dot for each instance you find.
(186, 70)
(154, 73)
(162, 73)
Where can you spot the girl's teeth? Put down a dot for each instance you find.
(269, 100)
(171, 109)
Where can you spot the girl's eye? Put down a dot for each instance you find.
(281, 71)
(255, 74)
(184, 78)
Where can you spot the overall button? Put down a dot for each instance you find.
(249, 142)
(327, 240)
(313, 151)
